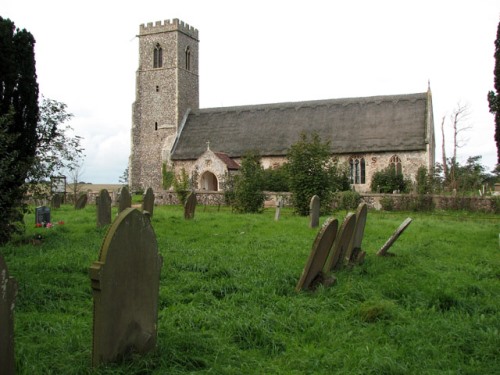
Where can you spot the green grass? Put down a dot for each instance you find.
(227, 302)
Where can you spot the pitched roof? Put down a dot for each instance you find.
(230, 163)
(352, 125)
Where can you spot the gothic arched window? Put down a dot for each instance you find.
(188, 58)
(357, 170)
(157, 57)
(395, 162)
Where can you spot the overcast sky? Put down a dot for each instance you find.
(269, 51)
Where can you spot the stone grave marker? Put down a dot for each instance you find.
(7, 300)
(124, 200)
(81, 202)
(279, 205)
(314, 208)
(42, 215)
(383, 250)
(312, 274)
(103, 203)
(125, 286)
(354, 253)
(190, 206)
(148, 203)
(337, 255)
(56, 201)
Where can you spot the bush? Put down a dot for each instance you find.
(276, 179)
(248, 187)
(387, 181)
(347, 200)
(181, 186)
(387, 203)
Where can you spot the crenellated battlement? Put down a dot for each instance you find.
(168, 25)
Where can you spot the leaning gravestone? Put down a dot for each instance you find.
(148, 203)
(314, 208)
(81, 202)
(190, 206)
(354, 253)
(125, 199)
(337, 255)
(7, 300)
(394, 237)
(312, 274)
(103, 202)
(125, 285)
(56, 201)
(42, 215)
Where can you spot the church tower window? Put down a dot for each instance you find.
(158, 56)
(188, 58)
(395, 162)
(357, 170)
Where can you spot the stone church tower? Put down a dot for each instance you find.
(167, 88)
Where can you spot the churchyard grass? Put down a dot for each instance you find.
(227, 302)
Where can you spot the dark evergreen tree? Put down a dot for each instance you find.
(18, 122)
(493, 96)
(248, 185)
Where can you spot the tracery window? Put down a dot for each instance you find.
(188, 58)
(158, 57)
(357, 168)
(395, 162)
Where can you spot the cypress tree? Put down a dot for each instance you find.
(493, 96)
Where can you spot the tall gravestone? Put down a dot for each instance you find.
(81, 202)
(42, 215)
(103, 203)
(7, 300)
(384, 249)
(314, 208)
(125, 199)
(279, 205)
(56, 201)
(148, 203)
(125, 285)
(337, 255)
(354, 253)
(190, 206)
(312, 274)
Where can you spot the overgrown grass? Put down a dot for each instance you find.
(228, 306)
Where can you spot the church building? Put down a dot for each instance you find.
(367, 134)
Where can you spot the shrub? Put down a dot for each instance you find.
(276, 179)
(181, 186)
(167, 175)
(248, 193)
(387, 203)
(348, 200)
(387, 181)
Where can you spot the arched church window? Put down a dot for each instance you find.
(357, 169)
(188, 58)
(395, 162)
(157, 56)
(156, 126)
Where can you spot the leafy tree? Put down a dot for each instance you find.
(388, 180)
(312, 172)
(276, 179)
(123, 179)
(18, 122)
(470, 176)
(181, 186)
(248, 186)
(493, 96)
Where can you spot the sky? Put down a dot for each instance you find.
(255, 52)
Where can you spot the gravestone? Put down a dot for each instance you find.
(56, 201)
(125, 286)
(394, 237)
(314, 207)
(148, 203)
(354, 253)
(81, 202)
(124, 200)
(42, 215)
(279, 204)
(103, 203)
(7, 300)
(190, 206)
(312, 274)
(337, 255)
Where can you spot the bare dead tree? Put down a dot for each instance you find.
(76, 174)
(459, 119)
(443, 149)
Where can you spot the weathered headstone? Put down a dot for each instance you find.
(312, 274)
(124, 200)
(81, 202)
(279, 204)
(394, 237)
(125, 285)
(314, 208)
(354, 253)
(148, 203)
(103, 203)
(56, 201)
(337, 255)
(7, 300)
(42, 215)
(190, 206)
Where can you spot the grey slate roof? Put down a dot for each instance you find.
(353, 125)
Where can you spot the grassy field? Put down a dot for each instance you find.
(228, 306)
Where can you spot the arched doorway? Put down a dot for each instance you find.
(209, 181)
